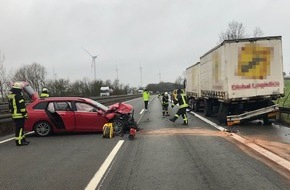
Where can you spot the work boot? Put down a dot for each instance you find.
(173, 119)
(184, 123)
(24, 143)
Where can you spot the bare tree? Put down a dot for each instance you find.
(257, 32)
(59, 87)
(235, 30)
(35, 74)
(179, 80)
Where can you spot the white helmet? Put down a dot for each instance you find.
(166, 93)
(44, 90)
(17, 85)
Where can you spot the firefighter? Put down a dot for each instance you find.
(18, 112)
(165, 103)
(146, 98)
(181, 99)
(44, 93)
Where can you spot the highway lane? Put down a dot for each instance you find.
(62, 161)
(171, 156)
(274, 137)
(164, 155)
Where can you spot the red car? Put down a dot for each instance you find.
(74, 114)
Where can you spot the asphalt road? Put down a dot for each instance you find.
(163, 155)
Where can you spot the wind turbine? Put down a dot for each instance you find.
(93, 62)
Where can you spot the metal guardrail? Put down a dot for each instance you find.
(5, 116)
(109, 100)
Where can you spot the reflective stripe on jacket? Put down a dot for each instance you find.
(165, 100)
(44, 95)
(182, 100)
(17, 106)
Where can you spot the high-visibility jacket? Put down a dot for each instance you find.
(146, 96)
(44, 95)
(165, 100)
(17, 106)
(182, 100)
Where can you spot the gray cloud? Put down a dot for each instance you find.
(161, 36)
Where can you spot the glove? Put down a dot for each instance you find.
(172, 106)
(24, 114)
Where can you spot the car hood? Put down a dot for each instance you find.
(122, 108)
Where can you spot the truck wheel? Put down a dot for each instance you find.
(207, 108)
(223, 113)
(266, 120)
(190, 104)
(196, 106)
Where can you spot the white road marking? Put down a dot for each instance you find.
(275, 158)
(142, 111)
(100, 173)
(6, 140)
(10, 139)
(209, 122)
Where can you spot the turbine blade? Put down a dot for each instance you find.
(88, 52)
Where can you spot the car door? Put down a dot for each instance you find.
(62, 116)
(88, 117)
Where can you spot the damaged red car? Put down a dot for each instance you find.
(74, 114)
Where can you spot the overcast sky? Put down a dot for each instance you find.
(164, 37)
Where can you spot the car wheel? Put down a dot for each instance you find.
(42, 128)
(118, 126)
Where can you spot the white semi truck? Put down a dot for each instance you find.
(238, 79)
(105, 91)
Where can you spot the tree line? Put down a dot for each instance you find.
(36, 75)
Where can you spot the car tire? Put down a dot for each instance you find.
(43, 129)
(118, 126)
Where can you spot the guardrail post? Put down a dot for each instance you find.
(1, 89)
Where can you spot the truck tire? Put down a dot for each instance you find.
(207, 108)
(223, 113)
(190, 103)
(195, 105)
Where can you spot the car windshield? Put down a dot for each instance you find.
(99, 105)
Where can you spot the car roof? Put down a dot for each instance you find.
(65, 99)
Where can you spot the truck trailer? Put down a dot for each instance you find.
(238, 80)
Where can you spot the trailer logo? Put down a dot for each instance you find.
(254, 61)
